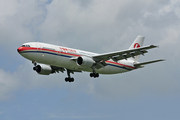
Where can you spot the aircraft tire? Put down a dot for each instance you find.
(95, 75)
(71, 80)
(91, 75)
(67, 79)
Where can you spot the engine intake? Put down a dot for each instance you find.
(43, 69)
(85, 61)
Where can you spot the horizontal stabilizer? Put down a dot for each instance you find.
(144, 63)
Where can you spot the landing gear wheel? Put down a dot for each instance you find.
(34, 68)
(95, 75)
(91, 74)
(71, 80)
(68, 79)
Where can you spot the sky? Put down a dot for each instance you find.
(100, 26)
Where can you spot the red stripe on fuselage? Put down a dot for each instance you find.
(22, 49)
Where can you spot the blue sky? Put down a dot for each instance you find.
(150, 93)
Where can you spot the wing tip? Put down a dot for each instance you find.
(154, 46)
(162, 59)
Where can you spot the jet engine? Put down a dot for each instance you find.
(85, 61)
(43, 69)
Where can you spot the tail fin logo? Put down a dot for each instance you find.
(136, 45)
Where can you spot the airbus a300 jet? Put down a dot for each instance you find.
(49, 59)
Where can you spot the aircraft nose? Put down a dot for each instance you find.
(19, 49)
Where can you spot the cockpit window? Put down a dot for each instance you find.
(25, 46)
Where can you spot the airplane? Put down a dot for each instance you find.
(49, 59)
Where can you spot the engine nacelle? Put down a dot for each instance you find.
(43, 69)
(85, 61)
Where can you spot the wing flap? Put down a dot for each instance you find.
(61, 69)
(57, 69)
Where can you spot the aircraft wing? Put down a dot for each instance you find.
(119, 55)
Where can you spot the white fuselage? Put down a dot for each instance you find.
(59, 56)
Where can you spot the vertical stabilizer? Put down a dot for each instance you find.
(136, 44)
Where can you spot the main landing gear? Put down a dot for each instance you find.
(69, 78)
(95, 75)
